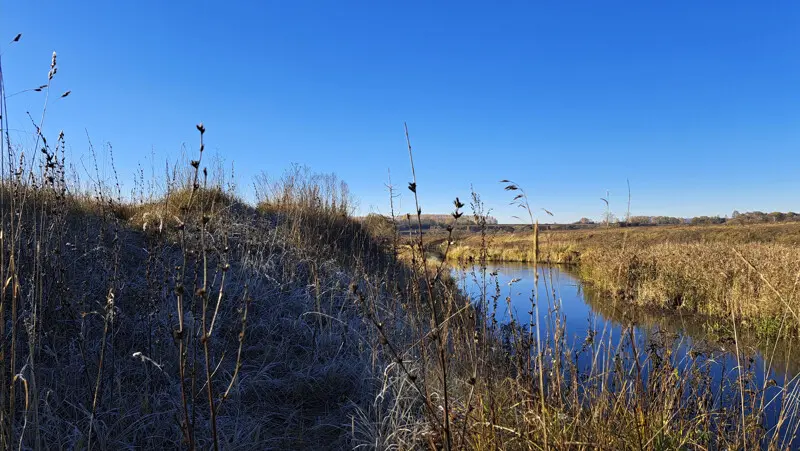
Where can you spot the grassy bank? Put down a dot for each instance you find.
(748, 271)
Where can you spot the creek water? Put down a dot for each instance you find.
(589, 319)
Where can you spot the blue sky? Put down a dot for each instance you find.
(697, 103)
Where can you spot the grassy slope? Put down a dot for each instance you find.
(97, 283)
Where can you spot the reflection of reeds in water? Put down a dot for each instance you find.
(705, 332)
(749, 272)
(643, 388)
(642, 379)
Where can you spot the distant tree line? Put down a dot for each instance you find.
(758, 217)
(382, 225)
(753, 217)
(433, 220)
(656, 220)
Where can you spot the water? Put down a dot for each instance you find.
(585, 313)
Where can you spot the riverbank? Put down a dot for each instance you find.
(748, 272)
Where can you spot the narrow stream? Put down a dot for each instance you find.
(588, 318)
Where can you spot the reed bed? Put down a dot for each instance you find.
(750, 271)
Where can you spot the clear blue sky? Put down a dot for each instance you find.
(697, 103)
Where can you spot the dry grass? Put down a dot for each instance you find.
(566, 246)
(712, 270)
(97, 345)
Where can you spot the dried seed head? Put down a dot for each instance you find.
(200, 127)
(65, 94)
(195, 164)
(53, 61)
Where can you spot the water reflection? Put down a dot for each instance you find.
(584, 310)
(593, 320)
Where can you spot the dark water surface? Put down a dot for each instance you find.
(585, 313)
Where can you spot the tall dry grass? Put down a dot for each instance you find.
(181, 316)
(520, 385)
(748, 270)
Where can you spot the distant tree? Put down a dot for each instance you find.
(664, 220)
(756, 217)
(640, 220)
(735, 214)
(707, 220)
(777, 216)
